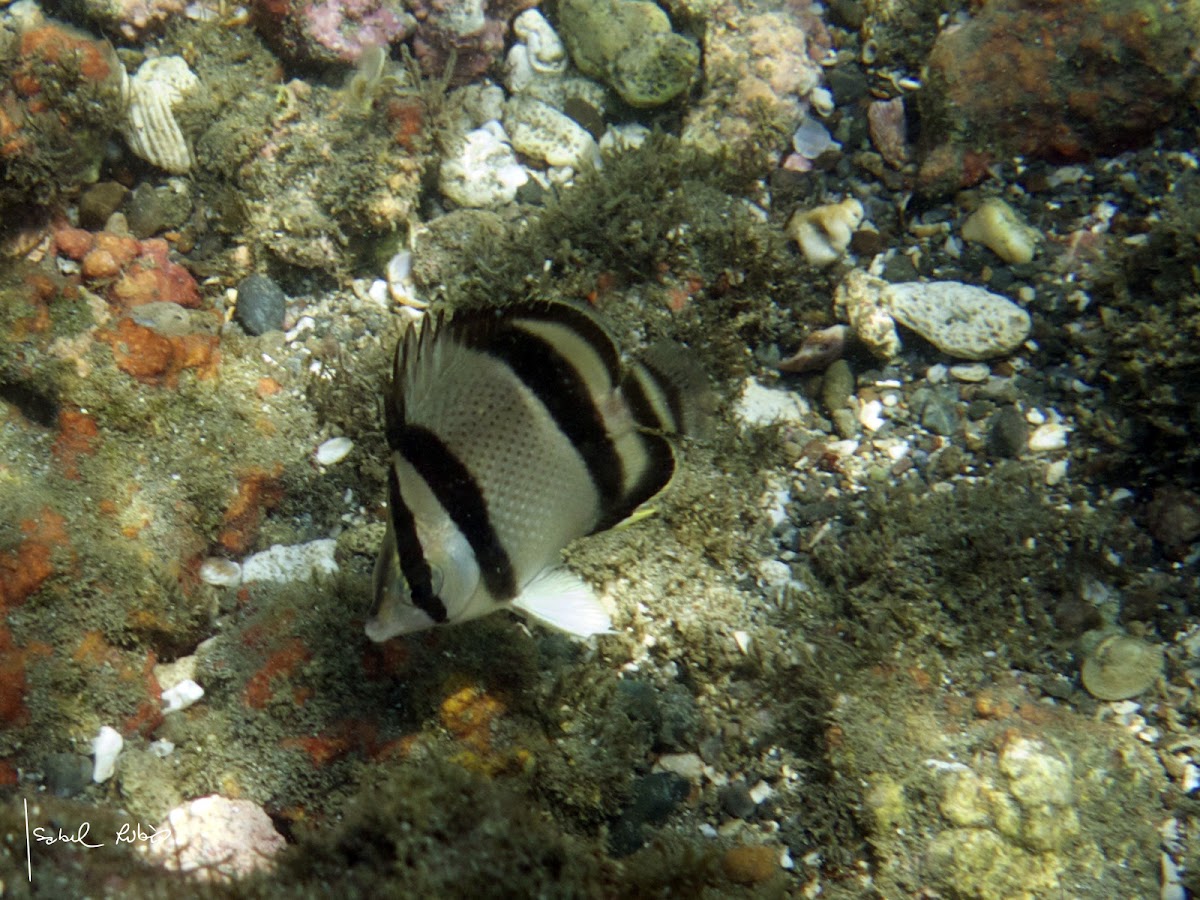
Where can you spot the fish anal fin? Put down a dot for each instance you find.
(560, 599)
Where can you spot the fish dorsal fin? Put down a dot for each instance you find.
(559, 599)
(668, 390)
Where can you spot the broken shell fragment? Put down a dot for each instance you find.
(820, 348)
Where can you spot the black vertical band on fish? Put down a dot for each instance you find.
(550, 377)
(413, 564)
(514, 432)
(458, 492)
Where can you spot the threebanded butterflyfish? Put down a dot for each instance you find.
(513, 432)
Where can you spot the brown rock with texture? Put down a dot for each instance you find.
(1051, 79)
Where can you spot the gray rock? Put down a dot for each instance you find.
(67, 773)
(939, 416)
(261, 305)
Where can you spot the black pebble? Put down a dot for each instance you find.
(261, 305)
(736, 800)
(1008, 434)
(652, 800)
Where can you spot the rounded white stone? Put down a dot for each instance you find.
(334, 450)
(221, 572)
(1049, 437)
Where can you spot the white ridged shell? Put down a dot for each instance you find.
(150, 127)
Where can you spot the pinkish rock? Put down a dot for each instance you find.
(330, 31)
(889, 131)
(216, 838)
(473, 31)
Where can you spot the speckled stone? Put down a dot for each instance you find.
(261, 305)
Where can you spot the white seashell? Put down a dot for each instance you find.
(334, 450)
(399, 280)
(181, 696)
(150, 127)
(105, 748)
(221, 572)
(812, 139)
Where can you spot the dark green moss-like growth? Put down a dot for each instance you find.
(659, 218)
(438, 830)
(984, 567)
(1144, 348)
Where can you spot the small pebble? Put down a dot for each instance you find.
(750, 865)
(100, 201)
(938, 416)
(971, 373)
(181, 696)
(221, 572)
(334, 450)
(736, 801)
(1008, 434)
(870, 414)
(837, 387)
(261, 305)
(1048, 437)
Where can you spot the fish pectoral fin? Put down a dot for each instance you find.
(559, 599)
(642, 512)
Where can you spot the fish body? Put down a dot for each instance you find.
(512, 433)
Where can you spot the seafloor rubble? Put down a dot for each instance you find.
(917, 616)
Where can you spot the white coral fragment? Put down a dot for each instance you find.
(106, 746)
(482, 171)
(150, 126)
